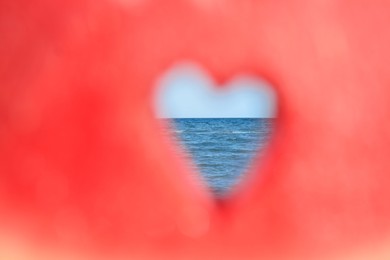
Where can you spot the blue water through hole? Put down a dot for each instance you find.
(222, 148)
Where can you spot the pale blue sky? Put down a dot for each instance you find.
(187, 91)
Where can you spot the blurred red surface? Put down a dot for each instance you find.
(83, 164)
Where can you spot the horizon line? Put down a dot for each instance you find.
(214, 117)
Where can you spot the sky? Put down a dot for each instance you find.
(186, 91)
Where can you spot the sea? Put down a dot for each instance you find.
(222, 149)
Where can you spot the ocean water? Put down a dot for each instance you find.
(221, 148)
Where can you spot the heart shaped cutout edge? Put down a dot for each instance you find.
(240, 114)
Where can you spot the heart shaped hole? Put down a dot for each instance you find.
(222, 128)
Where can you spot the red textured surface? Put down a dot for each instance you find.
(83, 164)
